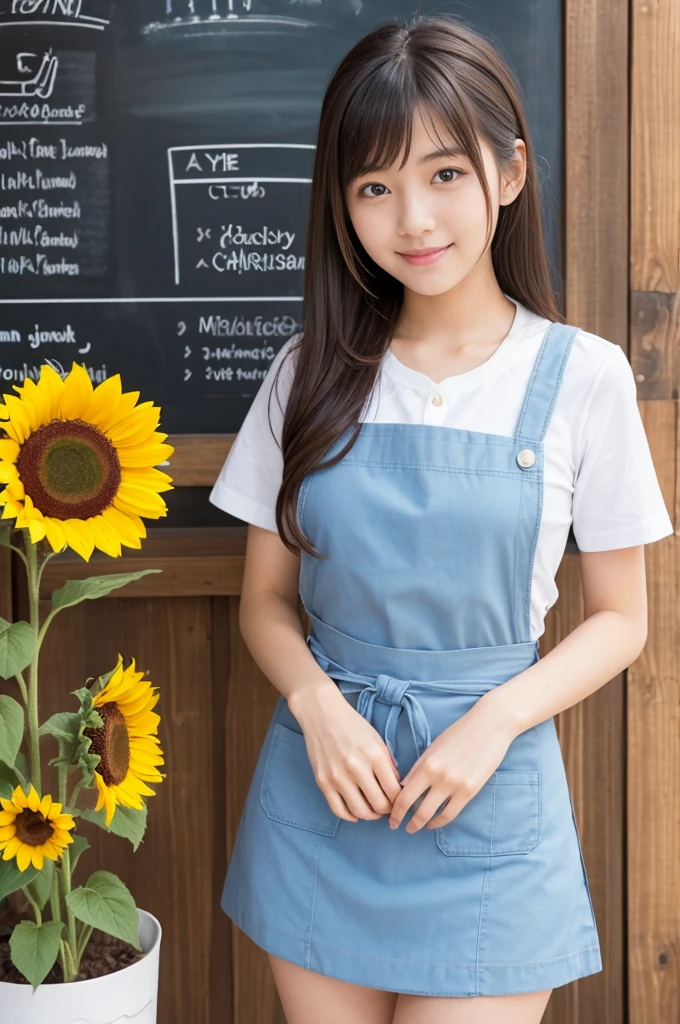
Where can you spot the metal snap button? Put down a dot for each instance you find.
(526, 457)
(437, 400)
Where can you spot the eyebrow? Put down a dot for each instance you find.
(445, 151)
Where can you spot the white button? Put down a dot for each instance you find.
(526, 457)
(437, 400)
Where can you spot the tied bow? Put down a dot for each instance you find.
(383, 688)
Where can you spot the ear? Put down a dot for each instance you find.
(514, 175)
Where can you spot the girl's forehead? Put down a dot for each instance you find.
(378, 137)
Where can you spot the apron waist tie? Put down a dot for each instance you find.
(383, 688)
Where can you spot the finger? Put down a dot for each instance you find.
(412, 793)
(375, 794)
(356, 801)
(338, 805)
(389, 784)
(394, 762)
(449, 812)
(432, 802)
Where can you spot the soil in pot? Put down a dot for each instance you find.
(103, 955)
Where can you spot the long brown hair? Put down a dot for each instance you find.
(439, 65)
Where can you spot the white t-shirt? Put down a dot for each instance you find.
(598, 469)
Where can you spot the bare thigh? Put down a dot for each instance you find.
(311, 998)
(527, 1008)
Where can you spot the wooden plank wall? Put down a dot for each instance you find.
(595, 230)
(653, 681)
(621, 746)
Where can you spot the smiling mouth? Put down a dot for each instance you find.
(422, 256)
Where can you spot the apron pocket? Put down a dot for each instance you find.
(289, 791)
(503, 818)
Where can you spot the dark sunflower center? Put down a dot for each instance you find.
(112, 743)
(32, 828)
(69, 469)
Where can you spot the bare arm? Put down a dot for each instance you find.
(610, 638)
(351, 762)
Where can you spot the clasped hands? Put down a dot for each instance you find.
(355, 770)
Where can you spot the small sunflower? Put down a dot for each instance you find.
(31, 829)
(79, 462)
(127, 742)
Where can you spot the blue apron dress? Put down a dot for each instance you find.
(420, 608)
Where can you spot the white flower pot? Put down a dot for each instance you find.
(124, 997)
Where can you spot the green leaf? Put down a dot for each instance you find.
(101, 681)
(69, 729)
(17, 647)
(41, 886)
(11, 878)
(5, 532)
(75, 591)
(11, 728)
(78, 846)
(126, 822)
(106, 903)
(10, 778)
(34, 948)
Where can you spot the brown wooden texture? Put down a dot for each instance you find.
(653, 835)
(198, 458)
(596, 262)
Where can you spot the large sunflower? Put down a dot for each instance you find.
(127, 742)
(32, 829)
(79, 462)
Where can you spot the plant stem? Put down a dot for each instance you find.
(33, 723)
(71, 921)
(70, 968)
(56, 915)
(34, 905)
(82, 945)
(22, 686)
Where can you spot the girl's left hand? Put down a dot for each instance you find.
(456, 764)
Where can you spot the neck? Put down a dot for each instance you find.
(473, 310)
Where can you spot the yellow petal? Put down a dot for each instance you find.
(138, 426)
(7, 832)
(45, 805)
(77, 394)
(54, 533)
(11, 849)
(8, 472)
(154, 479)
(19, 425)
(104, 536)
(11, 510)
(36, 528)
(145, 455)
(33, 800)
(23, 856)
(79, 537)
(9, 450)
(52, 384)
(6, 817)
(38, 858)
(126, 525)
(141, 499)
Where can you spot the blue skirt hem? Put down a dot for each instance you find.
(434, 979)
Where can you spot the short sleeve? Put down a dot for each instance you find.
(249, 481)
(617, 500)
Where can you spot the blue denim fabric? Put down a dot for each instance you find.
(421, 607)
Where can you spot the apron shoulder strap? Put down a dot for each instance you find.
(545, 382)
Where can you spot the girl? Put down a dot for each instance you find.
(408, 850)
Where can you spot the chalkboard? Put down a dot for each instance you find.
(155, 163)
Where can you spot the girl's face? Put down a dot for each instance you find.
(433, 202)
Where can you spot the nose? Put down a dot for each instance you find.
(415, 216)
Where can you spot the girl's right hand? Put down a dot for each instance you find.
(352, 764)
